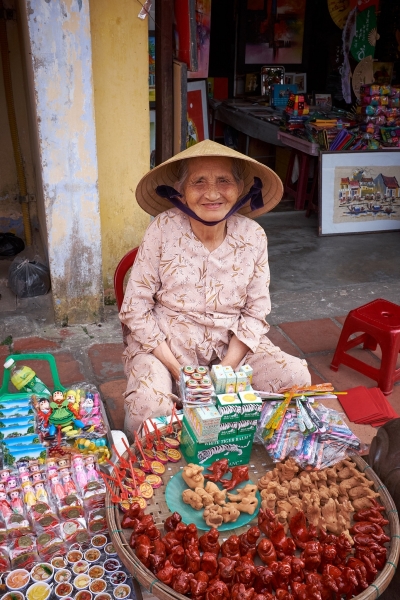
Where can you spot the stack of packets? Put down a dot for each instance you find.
(196, 386)
(367, 406)
(298, 425)
(380, 107)
(211, 431)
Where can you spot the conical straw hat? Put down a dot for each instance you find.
(167, 174)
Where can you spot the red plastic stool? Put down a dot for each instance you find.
(380, 323)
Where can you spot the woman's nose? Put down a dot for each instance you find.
(212, 191)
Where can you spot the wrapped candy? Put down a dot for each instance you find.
(23, 552)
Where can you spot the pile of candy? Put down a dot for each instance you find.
(46, 508)
(380, 107)
(90, 570)
(136, 484)
(315, 436)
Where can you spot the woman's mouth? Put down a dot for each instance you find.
(212, 205)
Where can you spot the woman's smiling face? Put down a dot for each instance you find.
(210, 189)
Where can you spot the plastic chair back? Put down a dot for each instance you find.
(123, 267)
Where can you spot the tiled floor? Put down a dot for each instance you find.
(85, 358)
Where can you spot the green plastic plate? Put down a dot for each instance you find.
(173, 498)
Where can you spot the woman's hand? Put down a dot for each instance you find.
(164, 355)
(237, 350)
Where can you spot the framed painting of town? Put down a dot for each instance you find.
(359, 192)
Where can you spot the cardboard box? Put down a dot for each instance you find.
(248, 371)
(236, 449)
(230, 382)
(228, 429)
(241, 382)
(246, 426)
(229, 407)
(251, 405)
(218, 377)
(205, 421)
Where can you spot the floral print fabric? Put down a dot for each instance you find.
(194, 299)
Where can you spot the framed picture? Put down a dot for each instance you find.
(197, 114)
(300, 79)
(185, 33)
(203, 25)
(274, 32)
(289, 78)
(152, 139)
(152, 66)
(180, 105)
(323, 101)
(359, 192)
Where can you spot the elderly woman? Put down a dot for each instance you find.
(198, 290)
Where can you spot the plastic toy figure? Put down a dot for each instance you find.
(11, 483)
(68, 485)
(62, 414)
(29, 494)
(89, 410)
(43, 415)
(5, 507)
(80, 472)
(57, 488)
(91, 473)
(36, 477)
(4, 475)
(16, 502)
(41, 494)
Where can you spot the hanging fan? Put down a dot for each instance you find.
(363, 73)
(339, 11)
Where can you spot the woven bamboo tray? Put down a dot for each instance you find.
(259, 464)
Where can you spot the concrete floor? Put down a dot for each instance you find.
(311, 277)
(314, 277)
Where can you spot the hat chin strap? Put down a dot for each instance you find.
(254, 195)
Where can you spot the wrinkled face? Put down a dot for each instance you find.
(210, 189)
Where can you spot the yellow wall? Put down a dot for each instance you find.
(10, 207)
(121, 98)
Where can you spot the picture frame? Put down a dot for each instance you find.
(273, 34)
(359, 192)
(152, 68)
(197, 113)
(300, 79)
(289, 78)
(322, 100)
(179, 71)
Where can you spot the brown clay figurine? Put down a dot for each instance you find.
(192, 476)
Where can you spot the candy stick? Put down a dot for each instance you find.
(134, 479)
(132, 457)
(173, 414)
(139, 447)
(149, 438)
(124, 493)
(122, 460)
(114, 498)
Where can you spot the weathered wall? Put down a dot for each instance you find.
(10, 208)
(57, 46)
(120, 75)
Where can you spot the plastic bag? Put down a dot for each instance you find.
(28, 278)
(10, 244)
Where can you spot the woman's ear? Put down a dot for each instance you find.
(178, 186)
(240, 187)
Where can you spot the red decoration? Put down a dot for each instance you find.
(218, 470)
(266, 551)
(248, 542)
(209, 541)
(239, 474)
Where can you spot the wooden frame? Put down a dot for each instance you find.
(197, 112)
(300, 79)
(180, 105)
(359, 192)
(322, 100)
